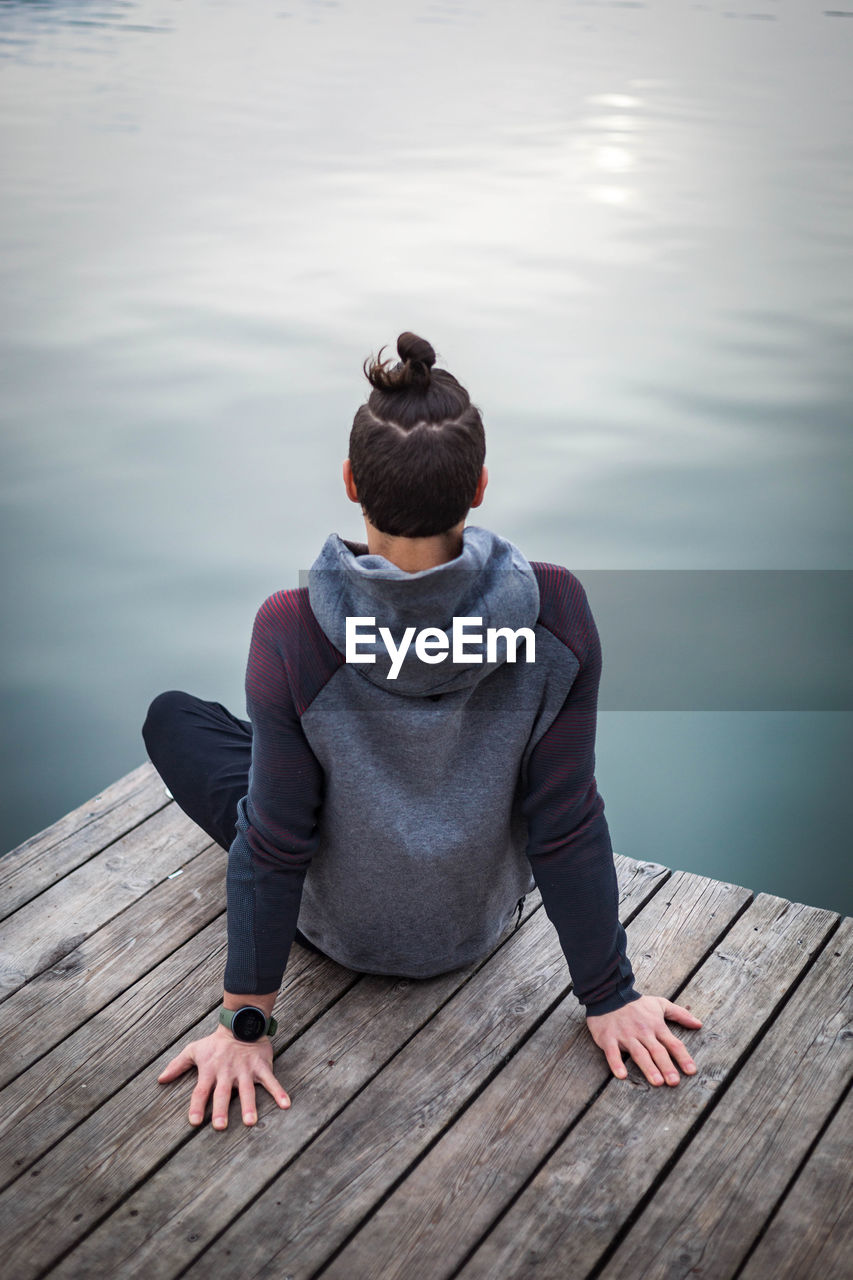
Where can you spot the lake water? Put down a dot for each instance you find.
(626, 227)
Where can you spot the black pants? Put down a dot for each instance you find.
(203, 754)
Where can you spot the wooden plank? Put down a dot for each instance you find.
(811, 1237)
(439, 1212)
(58, 920)
(183, 1206)
(87, 978)
(564, 1220)
(145, 1127)
(45, 858)
(715, 1201)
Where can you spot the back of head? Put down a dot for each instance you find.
(417, 446)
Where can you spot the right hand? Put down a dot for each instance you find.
(640, 1028)
(225, 1063)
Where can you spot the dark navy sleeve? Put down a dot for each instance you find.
(568, 839)
(277, 822)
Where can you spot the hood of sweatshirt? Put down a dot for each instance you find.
(489, 581)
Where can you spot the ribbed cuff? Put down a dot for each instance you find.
(609, 1005)
(268, 982)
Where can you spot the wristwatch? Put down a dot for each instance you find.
(248, 1024)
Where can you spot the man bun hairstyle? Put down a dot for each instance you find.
(417, 446)
(416, 359)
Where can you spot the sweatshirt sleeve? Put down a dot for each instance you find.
(277, 822)
(568, 839)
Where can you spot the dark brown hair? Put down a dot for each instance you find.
(417, 446)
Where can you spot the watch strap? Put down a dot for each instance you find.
(226, 1017)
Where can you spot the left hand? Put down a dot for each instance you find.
(225, 1063)
(640, 1029)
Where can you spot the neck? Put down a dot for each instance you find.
(413, 554)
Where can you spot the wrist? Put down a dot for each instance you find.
(265, 1002)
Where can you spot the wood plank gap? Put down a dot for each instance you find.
(114, 839)
(121, 1081)
(452, 1195)
(605, 1083)
(581, 1113)
(537, 905)
(812, 1236)
(87, 1236)
(39, 935)
(175, 1147)
(332, 1118)
(763, 961)
(315, 1275)
(94, 1013)
(739, 911)
(113, 797)
(209, 1008)
(792, 1182)
(121, 991)
(193, 1132)
(493, 1023)
(46, 857)
(705, 1116)
(67, 988)
(559, 999)
(170, 1108)
(155, 1048)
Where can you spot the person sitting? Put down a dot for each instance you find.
(419, 754)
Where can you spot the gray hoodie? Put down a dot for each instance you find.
(402, 807)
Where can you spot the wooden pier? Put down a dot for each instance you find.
(462, 1126)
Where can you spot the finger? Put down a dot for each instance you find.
(246, 1089)
(613, 1055)
(678, 1013)
(221, 1101)
(177, 1066)
(663, 1061)
(198, 1101)
(679, 1052)
(265, 1077)
(644, 1061)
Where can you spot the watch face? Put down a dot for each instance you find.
(249, 1023)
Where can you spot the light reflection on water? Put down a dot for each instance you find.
(626, 228)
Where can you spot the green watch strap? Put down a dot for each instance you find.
(226, 1017)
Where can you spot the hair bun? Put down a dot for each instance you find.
(416, 360)
(418, 350)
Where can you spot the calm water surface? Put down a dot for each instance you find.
(625, 226)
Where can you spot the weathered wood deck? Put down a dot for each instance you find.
(464, 1126)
